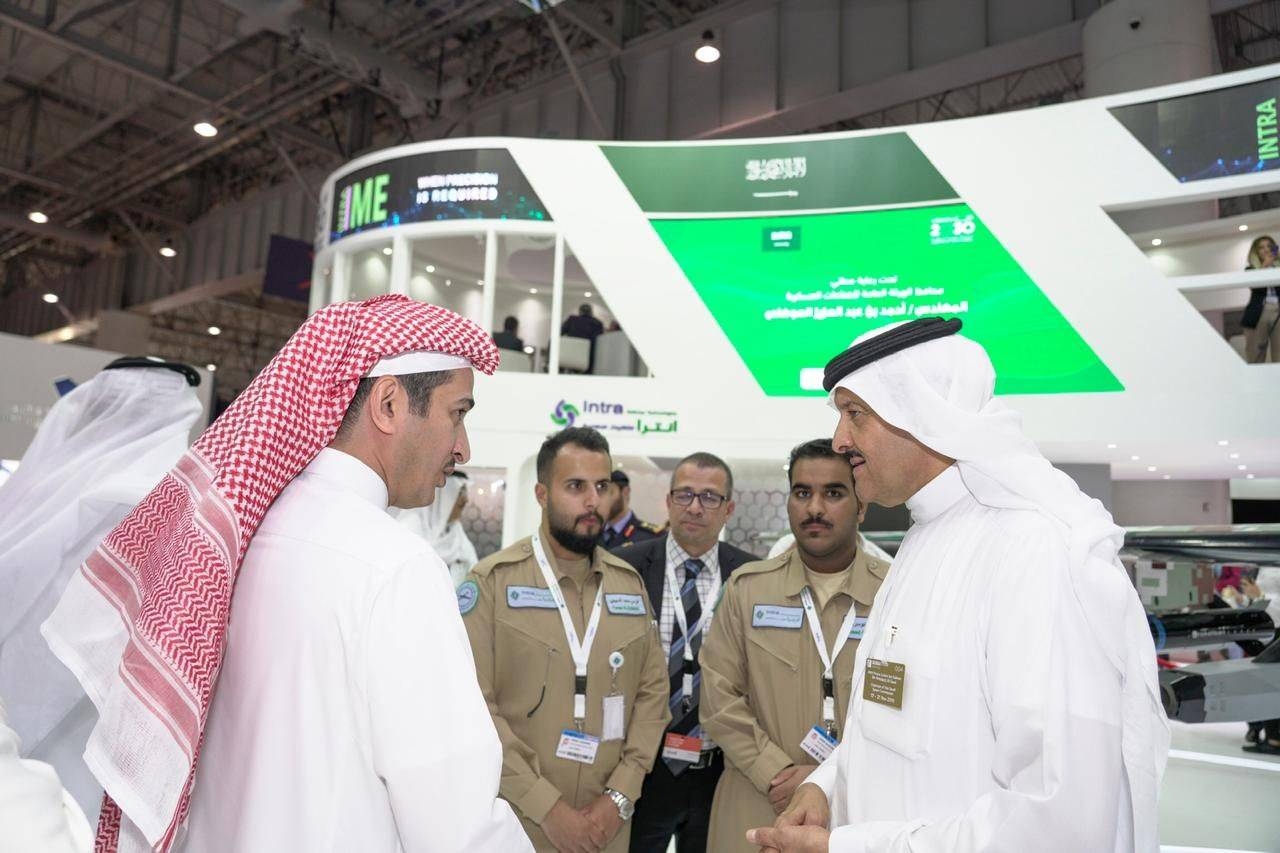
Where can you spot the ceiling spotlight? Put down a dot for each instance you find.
(1223, 443)
(37, 217)
(448, 282)
(534, 291)
(51, 298)
(1156, 241)
(205, 129)
(386, 251)
(1242, 467)
(167, 250)
(214, 330)
(431, 267)
(1233, 455)
(528, 350)
(480, 282)
(1112, 446)
(1248, 476)
(1134, 458)
(587, 294)
(211, 367)
(1151, 468)
(1243, 228)
(1166, 476)
(707, 51)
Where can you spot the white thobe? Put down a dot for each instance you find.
(347, 715)
(1009, 733)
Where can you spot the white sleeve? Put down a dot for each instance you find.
(433, 741)
(1056, 712)
(825, 774)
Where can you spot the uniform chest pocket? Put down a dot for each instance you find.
(906, 730)
(780, 645)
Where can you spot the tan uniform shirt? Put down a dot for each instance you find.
(762, 681)
(527, 676)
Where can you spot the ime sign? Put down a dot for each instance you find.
(363, 203)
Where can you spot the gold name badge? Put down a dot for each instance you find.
(883, 682)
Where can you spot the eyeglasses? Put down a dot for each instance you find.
(709, 500)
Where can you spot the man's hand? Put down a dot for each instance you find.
(784, 785)
(792, 839)
(808, 808)
(570, 831)
(603, 814)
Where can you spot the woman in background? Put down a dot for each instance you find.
(1261, 331)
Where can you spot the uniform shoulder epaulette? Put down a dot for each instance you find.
(513, 553)
(759, 567)
(617, 562)
(878, 567)
(655, 529)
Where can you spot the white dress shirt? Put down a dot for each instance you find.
(347, 715)
(1008, 738)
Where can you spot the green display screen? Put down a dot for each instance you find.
(792, 291)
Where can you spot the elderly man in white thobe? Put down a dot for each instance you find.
(1005, 687)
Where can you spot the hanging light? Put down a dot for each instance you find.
(167, 250)
(707, 51)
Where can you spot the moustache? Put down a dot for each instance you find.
(588, 516)
(825, 524)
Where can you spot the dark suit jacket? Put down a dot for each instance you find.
(506, 340)
(1253, 311)
(650, 560)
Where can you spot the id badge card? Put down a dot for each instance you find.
(883, 682)
(818, 744)
(578, 746)
(615, 723)
(682, 748)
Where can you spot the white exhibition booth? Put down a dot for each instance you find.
(736, 268)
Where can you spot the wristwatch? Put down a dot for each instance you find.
(626, 808)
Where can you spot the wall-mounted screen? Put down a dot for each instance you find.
(798, 247)
(1210, 134)
(436, 185)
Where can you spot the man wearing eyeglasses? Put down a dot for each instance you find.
(683, 571)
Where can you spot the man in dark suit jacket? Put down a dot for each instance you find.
(507, 338)
(683, 571)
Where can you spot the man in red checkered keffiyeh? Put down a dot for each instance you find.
(347, 714)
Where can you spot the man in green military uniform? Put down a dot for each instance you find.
(569, 660)
(777, 665)
(622, 525)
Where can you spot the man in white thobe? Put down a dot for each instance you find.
(440, 525)
(1005, 687)
(347, 715)
(98, 452)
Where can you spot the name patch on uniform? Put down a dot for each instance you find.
(777, 616)
(622, 604)
(530, 596)
(468, 595)
(858, 627)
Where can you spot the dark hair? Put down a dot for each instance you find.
(510, 324)
(702, 459)
(417, 385)
(818, 448)
(584, 437)
(585, 309)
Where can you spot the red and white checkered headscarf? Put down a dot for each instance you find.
(143, 623)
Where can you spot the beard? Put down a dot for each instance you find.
(570, 539)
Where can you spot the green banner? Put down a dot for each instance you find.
(863, 171)
(792, 291)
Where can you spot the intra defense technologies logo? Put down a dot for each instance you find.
(564, 414)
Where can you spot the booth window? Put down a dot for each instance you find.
(449, 272)
(523, 295)
(591, 338)
(369, 272)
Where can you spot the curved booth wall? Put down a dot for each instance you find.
(735, 269)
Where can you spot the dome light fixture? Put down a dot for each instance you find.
(51, 298)
(214, 330)
(167, 250)
(205, 129)
(38, 217)
(211, 367)
(707, 51)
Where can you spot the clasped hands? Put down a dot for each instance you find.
(586, 830)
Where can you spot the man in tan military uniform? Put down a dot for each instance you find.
(575, 750)
(764, 691)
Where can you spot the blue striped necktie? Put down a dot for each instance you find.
(684, 715)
